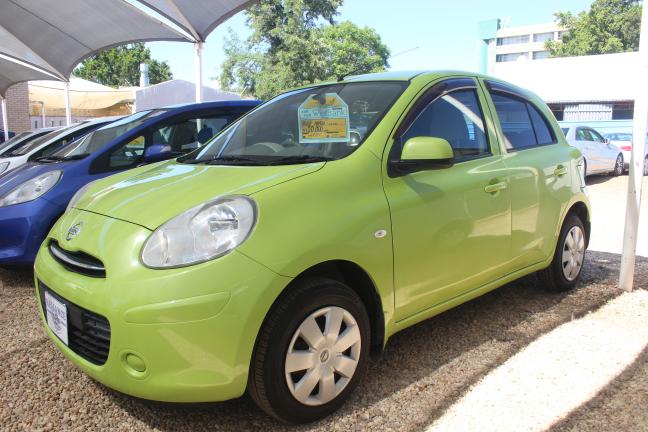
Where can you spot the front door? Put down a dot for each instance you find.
(451, 227)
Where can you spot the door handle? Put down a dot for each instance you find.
(560, 171)
(495, 187)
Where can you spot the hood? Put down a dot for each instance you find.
(151, 196)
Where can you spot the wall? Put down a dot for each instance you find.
(17, 108)
(176, 92)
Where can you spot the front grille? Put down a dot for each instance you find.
(77, 262)
(88, 332)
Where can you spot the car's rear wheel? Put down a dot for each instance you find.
(311, 351)
(619, 166)
(569, 256)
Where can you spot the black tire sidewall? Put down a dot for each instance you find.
(319, 294)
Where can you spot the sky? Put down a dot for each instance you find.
(441, 34)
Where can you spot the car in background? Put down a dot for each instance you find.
(623, 140)
(601, 157)
(33, 196)
(24, 138)
(2, 135)
(275, 258)
(19, 141)
(50, 143)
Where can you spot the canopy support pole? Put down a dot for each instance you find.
(5, 123)
(198, 46)
(635, 178)
(68, 110)
(43, 112)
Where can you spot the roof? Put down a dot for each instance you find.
(216, 104)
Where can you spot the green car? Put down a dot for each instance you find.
(282, 254)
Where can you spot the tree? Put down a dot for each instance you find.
(297, 42)
(610, 26)
(120, 66)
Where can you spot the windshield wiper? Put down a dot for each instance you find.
(224, 160)
(288, 160)
(53, 158)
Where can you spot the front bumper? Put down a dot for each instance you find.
(192, 330)
(23, 228)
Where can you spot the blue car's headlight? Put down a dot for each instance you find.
(31, 189)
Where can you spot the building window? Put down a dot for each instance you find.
(539, 55)
(561, 34)
(623, 111)
(543, 37)
(513, 40)
(502, 58)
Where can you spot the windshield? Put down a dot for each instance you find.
(314, 124)
(12, 141)
(36, 142)
(100, 137)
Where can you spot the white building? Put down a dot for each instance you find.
(175, 92)
(598, 90)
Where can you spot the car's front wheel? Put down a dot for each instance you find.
(569, 256)
(311, 351)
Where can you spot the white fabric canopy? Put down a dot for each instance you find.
(12, 72)
(58, 34)
(197, 17)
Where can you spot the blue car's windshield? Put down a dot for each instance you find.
(95, 140)
(308, 125)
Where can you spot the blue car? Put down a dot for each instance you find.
(35, 195)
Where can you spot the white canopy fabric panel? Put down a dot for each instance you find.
(197, 17)
(61, 33)
(12, 72)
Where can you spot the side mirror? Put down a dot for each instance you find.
(423, 154)
(157, 152)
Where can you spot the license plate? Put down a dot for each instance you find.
(56, 313)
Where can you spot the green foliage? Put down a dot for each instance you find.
(610, 26)
(297, 42)
(120, 66)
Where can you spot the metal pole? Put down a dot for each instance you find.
(5, 123)
(199, 73)
(635, 177)
(43, 112)
(68, 110)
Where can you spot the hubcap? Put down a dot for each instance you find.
(322, 356)
(573, 253)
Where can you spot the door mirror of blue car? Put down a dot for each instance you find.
(157, 152)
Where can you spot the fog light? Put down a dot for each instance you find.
(135, 362)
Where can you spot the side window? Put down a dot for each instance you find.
(127, 155)
(457, 118)
(596, 136)
(187, 135)
(580, 135)
(523, 126)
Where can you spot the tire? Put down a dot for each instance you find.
(275, 388)
(619, 166)
(557, 277)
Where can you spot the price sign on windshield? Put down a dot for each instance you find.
(323, 118)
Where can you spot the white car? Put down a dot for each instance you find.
(49, 143)
(623, 140)
(601, 157)
(23, 139)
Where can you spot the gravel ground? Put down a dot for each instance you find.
(424, 370)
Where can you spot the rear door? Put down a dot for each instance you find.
(539, 168)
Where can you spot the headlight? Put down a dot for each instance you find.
(77, 196)
(31, 189)
(3, 167)
(200, 234)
